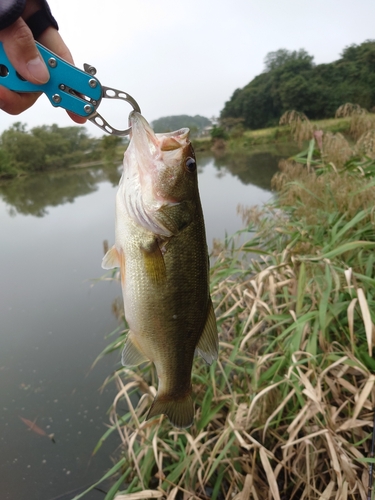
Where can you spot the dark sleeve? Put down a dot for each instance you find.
(11, 10)
(41, 20)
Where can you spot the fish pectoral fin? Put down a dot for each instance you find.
(176, 217)
(154, 262)
(111, 259)
(179, 411)
(208, 345)
(132, 354)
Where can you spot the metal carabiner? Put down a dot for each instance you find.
(108, 92)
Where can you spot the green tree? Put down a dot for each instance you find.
(109, 147)
(24, 151)
(44, 147)
(282, 57)
(196, 123)
(291, 80)
(6, 168)
(218, 133)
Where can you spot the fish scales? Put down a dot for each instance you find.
(162, 252)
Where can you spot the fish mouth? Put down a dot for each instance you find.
(142, 134)
(151, 166)
(147, 141)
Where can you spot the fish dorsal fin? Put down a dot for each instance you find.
(111, 259)
(132, 354)
(154, 262)
(208, 345)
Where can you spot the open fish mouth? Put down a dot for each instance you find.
(146, 141)
(152, 163)
(142, 135)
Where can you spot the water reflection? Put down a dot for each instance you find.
(53, 321)
(255, 167)
(32, 195)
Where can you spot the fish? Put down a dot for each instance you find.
(161, 251)
(35, 428)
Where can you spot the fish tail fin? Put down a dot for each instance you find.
(179, 411)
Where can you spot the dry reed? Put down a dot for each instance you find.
(300, 126)
(314, 197)
(336, 149)
(287, 410)
(361, 123)
(366, 144)
(349, 109)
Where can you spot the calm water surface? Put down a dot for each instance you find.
(55, 316)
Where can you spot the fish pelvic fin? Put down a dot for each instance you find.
(208, 345)
(132, 355)
(179, 411)
(111, 259)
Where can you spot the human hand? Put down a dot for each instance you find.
(19, 45)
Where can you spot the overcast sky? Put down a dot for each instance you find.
(188, 57)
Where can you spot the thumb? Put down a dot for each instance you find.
(21, 50)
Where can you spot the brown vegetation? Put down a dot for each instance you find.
(287, 410)
(361, 123)
(349, 109)
(300, 126)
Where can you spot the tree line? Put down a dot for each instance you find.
(51, 147)
(196, 124)
(291, 80)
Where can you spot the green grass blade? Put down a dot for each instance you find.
(110, 473)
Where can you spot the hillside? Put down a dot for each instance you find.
(196, 123)
(291, 80)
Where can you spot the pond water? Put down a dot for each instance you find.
(55, 315)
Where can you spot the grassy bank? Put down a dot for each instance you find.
(287, 410)
(272, 135)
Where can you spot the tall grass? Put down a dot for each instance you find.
(366, 144)
(360, 124)
(300, 126)
(336, 149)
(349, 109)
(287, 410)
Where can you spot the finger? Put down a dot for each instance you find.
(21, 50)
(77, 118)
(51, 38)
(14, 103)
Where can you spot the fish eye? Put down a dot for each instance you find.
(191, 164)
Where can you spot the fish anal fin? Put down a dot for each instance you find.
(208, 345)
(179, 411)
(154, 262)
(111, 259)
(132, 354)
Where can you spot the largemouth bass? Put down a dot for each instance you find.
(160, 247)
